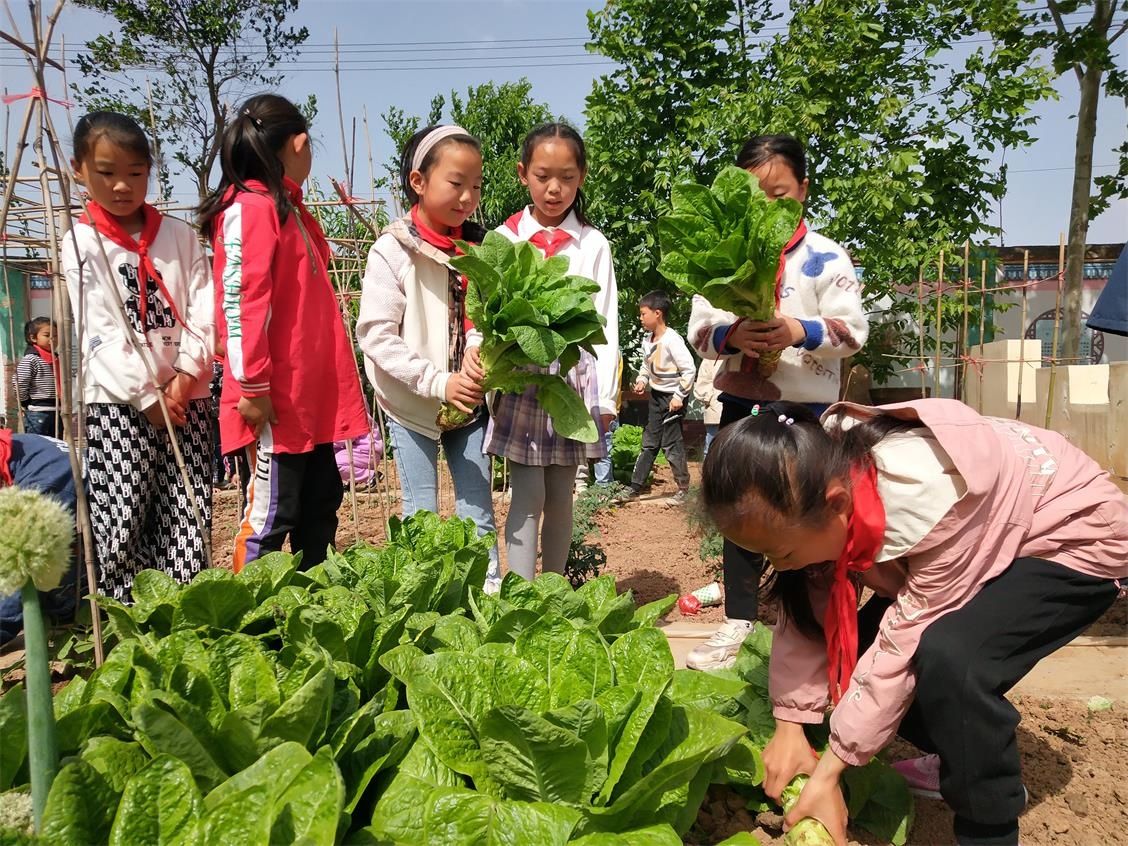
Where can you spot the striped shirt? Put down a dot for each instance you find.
(35, 383)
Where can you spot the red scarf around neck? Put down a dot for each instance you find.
(110, 227)
(50, 357)
(799, 235)
(5, 457)
(864, 534)
(435, 239)
(549, 243)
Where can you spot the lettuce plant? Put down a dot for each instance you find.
(726, 244)
(532, 314)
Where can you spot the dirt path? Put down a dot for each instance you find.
(1073, 760)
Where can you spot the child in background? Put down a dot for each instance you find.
(988, 543)
(707, 394)
(820, 321)
(38, 463)
(37, 379)
(140, 508)
(290, 386)
(367, 452)
(420, 349)
(668, 370)
(542, 464)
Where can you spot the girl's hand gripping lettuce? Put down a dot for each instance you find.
(726, 243)
(531, 313)
(808, 831)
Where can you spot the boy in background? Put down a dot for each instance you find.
(668, 370)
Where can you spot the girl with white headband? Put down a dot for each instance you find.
(420, 349)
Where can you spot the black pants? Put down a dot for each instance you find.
(965, 664)
(659, 435)
(741, 569)
(295, 494)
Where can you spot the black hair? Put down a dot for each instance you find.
(120, 130)
(31, 329)
(761, 149)
(657, 301)
(782, 470)
(429, 160)
(548, 131)
(251, 143)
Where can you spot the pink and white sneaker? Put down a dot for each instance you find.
(922, 775)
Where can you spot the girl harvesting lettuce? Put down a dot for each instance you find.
(819, 321)
(420, 349)
(542, 461)
(988, 544)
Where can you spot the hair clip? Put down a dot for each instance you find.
(785, 420)
(756, 410)
(256, 121)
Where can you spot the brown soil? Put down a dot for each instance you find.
(1073, 760)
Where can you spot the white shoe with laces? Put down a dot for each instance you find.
(719, 651)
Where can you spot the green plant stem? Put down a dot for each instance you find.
(42, 752)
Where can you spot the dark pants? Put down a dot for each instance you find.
(43, 423)
(965, 664)
(289, 494)
(659, 435)
(742, 569)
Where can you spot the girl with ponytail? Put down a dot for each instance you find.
(988, 545)
(290, 386)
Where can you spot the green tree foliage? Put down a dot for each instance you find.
(200, 57)
(499, 115)
(902, 106)
(1087, 49)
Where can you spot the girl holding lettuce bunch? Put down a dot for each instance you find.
(543, 462)
(420, 349)
(819, 321)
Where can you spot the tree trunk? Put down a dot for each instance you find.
(1090, 76)
(1079, 213)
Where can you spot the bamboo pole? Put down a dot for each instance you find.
(1022, 338)
(963, 342)
(939, 323)
(922, 358)
(982, 328)
(1057, 332)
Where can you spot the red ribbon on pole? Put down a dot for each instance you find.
(36, 93)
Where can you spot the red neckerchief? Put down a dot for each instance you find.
(864, 534)
(443, 242)
(5, 457)
(110, 227)
(549, 243)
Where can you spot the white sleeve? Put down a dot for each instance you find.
(704, 323)
(197, 338)
(686, 366)
(607, 355)
(382, 305)
(112, 361)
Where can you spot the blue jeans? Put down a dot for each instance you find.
(710, 434)
(417, 460)
(42, 423)
(59, 604)
(603, 470)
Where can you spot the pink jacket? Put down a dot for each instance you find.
(1016, 491)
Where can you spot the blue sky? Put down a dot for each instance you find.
(401, 53)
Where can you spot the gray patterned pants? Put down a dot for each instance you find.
(140, 511)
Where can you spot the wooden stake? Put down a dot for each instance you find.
(963, 340)
(982, 328)
(939, 323)
(1057, 332)
(1022, 336)
(920, 331)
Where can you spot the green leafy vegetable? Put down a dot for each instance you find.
(726, 243)
(535, 320)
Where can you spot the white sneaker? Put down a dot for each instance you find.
(492, 586)
(719, 651)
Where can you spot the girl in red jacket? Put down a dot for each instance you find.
(290, 388)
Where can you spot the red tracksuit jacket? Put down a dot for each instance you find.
(278, 314)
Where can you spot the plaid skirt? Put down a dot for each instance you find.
(520, 430)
